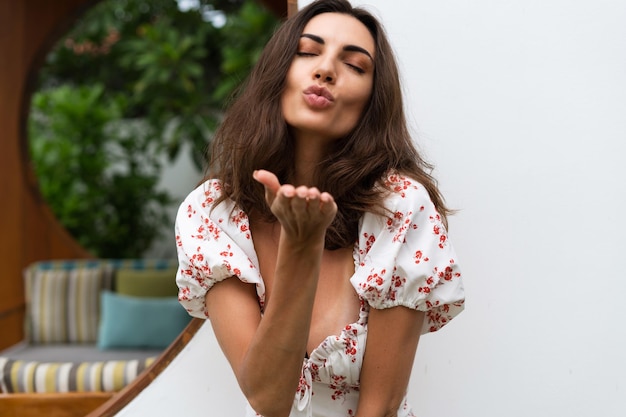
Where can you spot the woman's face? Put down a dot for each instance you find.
(330, 79)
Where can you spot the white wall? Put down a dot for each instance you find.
(178, 178)
(521, 104)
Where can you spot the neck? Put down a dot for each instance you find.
(309, 152)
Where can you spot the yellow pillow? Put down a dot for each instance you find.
(146, 283)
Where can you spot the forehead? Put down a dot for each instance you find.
(341, 29)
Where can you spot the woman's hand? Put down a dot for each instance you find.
(303, 212)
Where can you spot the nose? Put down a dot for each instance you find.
(322, 75)
(325, 71)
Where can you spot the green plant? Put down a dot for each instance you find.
(97, 171)
(134, 80)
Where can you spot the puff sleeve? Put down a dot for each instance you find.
(212, 245)
(407, 260)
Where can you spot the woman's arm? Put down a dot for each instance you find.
(392, 338)
(266, 353)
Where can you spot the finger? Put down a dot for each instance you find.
(287, 190)
(300, 201)
(269, 181)
(327, 204)
(282, 202)
(313, 200)
(314, 194)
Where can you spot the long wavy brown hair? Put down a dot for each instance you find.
(254, 135)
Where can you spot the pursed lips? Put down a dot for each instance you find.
(319, 91)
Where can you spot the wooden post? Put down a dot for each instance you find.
(292, 7)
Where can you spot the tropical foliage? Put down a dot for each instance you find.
(132, 81)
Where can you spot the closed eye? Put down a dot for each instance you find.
(356, 68)
(300, 53)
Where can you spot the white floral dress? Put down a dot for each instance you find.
(405, 261)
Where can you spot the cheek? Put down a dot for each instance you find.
(287, 97)
(359, 102)
(287, 104)
(361, 94)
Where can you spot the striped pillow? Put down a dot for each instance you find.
(63, 301)
(18, 376)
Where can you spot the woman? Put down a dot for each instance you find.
(317, 246)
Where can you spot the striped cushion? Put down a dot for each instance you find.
(63, 296)
(28, 377)
(63, 301)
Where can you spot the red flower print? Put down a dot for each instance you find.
(190, 211)
(183, 294)
(241, 220)
(208, 202)
(376, 278)
(419, 257)
(396, 282)
(369, 241)
(340, 386)
(228, 252)
(435, 218)
(303, 386)
(244, 228)
(399, 184)
(399, 225)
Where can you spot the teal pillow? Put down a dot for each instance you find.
(129, 322)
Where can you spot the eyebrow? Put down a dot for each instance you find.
(349, 48)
